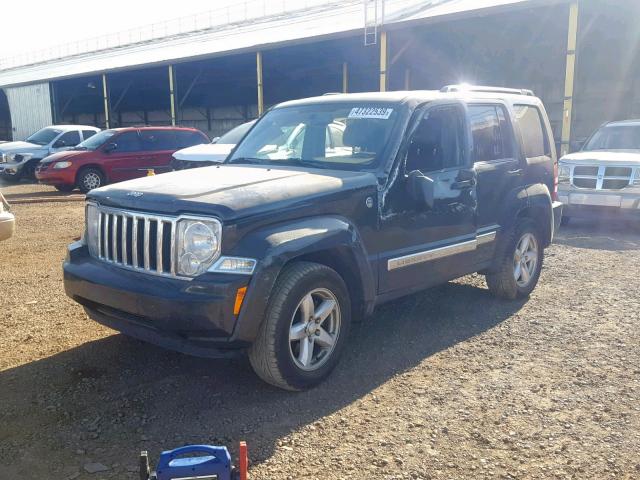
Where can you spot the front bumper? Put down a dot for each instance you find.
(590, 203)
(10, 169)
(7, 225)
(50, 176)
(194, 317)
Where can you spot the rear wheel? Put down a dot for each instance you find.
(306, 326)
(520, 263)
(90, 178)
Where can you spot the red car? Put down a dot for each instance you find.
(116, 155)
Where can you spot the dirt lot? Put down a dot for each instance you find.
(449, 383)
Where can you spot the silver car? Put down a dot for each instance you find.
(19, 159)
(604, 177)
(7, 220)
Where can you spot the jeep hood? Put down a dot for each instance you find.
(600, 157)
(208, 152)
(230, 192)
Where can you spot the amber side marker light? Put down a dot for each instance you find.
(242, 291)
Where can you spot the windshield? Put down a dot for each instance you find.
(330, 135)
(234, 135)
(44, 136)
(96, 141)
(615, 137)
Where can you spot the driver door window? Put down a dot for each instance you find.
(68, 139)
(437, 143)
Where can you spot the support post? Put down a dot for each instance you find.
(259, 81)
(172, 96)
(383, 61)
(105, 97)
(567, 111)
(345, 77)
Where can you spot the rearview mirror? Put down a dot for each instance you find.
(110, 147)
(421, 189)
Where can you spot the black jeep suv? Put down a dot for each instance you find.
(328, 207)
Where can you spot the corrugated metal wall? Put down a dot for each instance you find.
(30, 108)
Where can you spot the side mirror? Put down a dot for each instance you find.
(421, 189)
(110, 147)
(215, 139)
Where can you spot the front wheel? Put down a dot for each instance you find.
(520, 263)
(90, 178)
(306, 326)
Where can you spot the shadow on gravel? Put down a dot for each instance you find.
(601, 234)
(118, 395)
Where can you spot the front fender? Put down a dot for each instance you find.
(276, 245)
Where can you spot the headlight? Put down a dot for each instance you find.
(564, 173)
(19, 157)
(59, 165)
(198, 245)
(91, 232)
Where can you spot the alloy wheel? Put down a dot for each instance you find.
(525, 260)
(314, 329)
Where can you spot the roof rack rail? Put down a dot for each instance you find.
(479, 88)
(331, 93)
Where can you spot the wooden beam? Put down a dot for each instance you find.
(172, 97)
(569, 79)
(105, 97)
(383, 61)
(259, 82)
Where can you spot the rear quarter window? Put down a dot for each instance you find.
(188, 139)
(534, 137)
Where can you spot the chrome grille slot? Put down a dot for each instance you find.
(601, 177)
(137, 241)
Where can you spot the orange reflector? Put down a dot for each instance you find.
(242, 291)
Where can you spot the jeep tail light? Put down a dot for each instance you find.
(636, 178)
(555, 181)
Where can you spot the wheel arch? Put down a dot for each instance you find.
(332, 241)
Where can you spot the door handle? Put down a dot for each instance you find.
(462, 184)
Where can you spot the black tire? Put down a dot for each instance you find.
(564, 221)
(502, 279)
(29, 170)
(65, 188)
(90, 178)
(272, 354)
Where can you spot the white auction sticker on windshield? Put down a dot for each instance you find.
(371, 112)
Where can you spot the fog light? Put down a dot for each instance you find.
(243, 266)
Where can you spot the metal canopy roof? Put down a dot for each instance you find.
(331, 20)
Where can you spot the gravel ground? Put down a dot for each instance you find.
(449, 383)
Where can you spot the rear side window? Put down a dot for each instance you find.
(69, 139)
(534, 138)
(158, 140)
(128, 142)
(188, 139)
(88, 133)
(491, 133)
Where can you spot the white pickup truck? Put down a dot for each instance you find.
(603, 178)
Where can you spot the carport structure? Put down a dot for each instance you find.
(215, 77)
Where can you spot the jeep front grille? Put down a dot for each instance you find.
(601, 177)
(137, 241)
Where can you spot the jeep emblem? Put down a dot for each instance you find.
(134, 194)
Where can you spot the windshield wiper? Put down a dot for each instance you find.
(79, 148)
(301, 162)
(251, 160)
